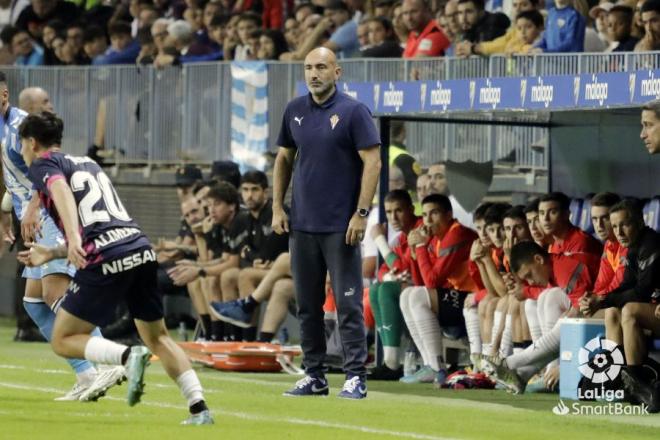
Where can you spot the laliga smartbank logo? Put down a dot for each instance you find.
(600, 361)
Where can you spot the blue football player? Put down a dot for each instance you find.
(115, 263)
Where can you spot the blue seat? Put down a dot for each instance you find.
(652, 213)
(585, 218)
(576, 211)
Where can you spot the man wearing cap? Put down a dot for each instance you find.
(599, 14)
(171, 250)
(336, 149)
(186, 177)
(226, 171)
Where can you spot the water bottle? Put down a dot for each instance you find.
(410, 362)
(183, 333)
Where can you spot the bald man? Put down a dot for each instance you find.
(35, 100)
(650, 134)
(336, 146)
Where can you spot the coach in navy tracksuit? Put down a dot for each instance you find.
(335, 146)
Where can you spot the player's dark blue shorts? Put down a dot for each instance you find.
(450, 311)
(95, 293)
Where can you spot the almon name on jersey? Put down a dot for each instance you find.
(113, 236)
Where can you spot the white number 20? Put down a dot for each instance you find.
(99, 187)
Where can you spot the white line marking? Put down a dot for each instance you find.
(409, 398)
(258, 418)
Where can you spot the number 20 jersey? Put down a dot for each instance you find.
(107, 230)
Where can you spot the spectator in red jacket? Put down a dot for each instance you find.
(426, 39)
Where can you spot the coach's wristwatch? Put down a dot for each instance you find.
(202, 272)
(363, 212)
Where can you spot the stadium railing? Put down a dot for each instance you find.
(158, 117)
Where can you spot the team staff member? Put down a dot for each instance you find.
(651, 126)
(335, 145)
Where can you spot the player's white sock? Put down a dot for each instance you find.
(533, 319)
(427, 325)
(103, 351)
(487, 349)
(471, 315)
(497, 325)
(190, 387)
(539, 353)
(391, 357)
(506, 345)
(410, 323)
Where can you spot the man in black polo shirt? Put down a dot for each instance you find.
(213, 247)
(335, 145)
(252, 239)
(632, 310)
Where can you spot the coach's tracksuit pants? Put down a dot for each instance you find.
(312, 255)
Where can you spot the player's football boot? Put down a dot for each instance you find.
(137, 363)
(105, 379)
(354, 388)
(426, 374)
(506, 377)
(232, 312)
(641, 390)
(440, 378)
(309, 386)
(202, 418)
(383, 372)
(74, 393)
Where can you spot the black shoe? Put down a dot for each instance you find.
(640, 390)
(28, 335)
(383, 372)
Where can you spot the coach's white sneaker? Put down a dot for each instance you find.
(74, 393)
(106, 379)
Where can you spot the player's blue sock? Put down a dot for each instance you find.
(44, 317)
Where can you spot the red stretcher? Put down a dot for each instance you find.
(258, 357)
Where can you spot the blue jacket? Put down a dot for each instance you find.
(35, 58)
(564, 31)
(126, 56)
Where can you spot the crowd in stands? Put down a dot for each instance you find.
(499, 277)
(174, 32)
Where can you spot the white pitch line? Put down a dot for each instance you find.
(647, 421)
(254, 417)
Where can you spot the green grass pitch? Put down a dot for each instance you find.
(251, 406)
